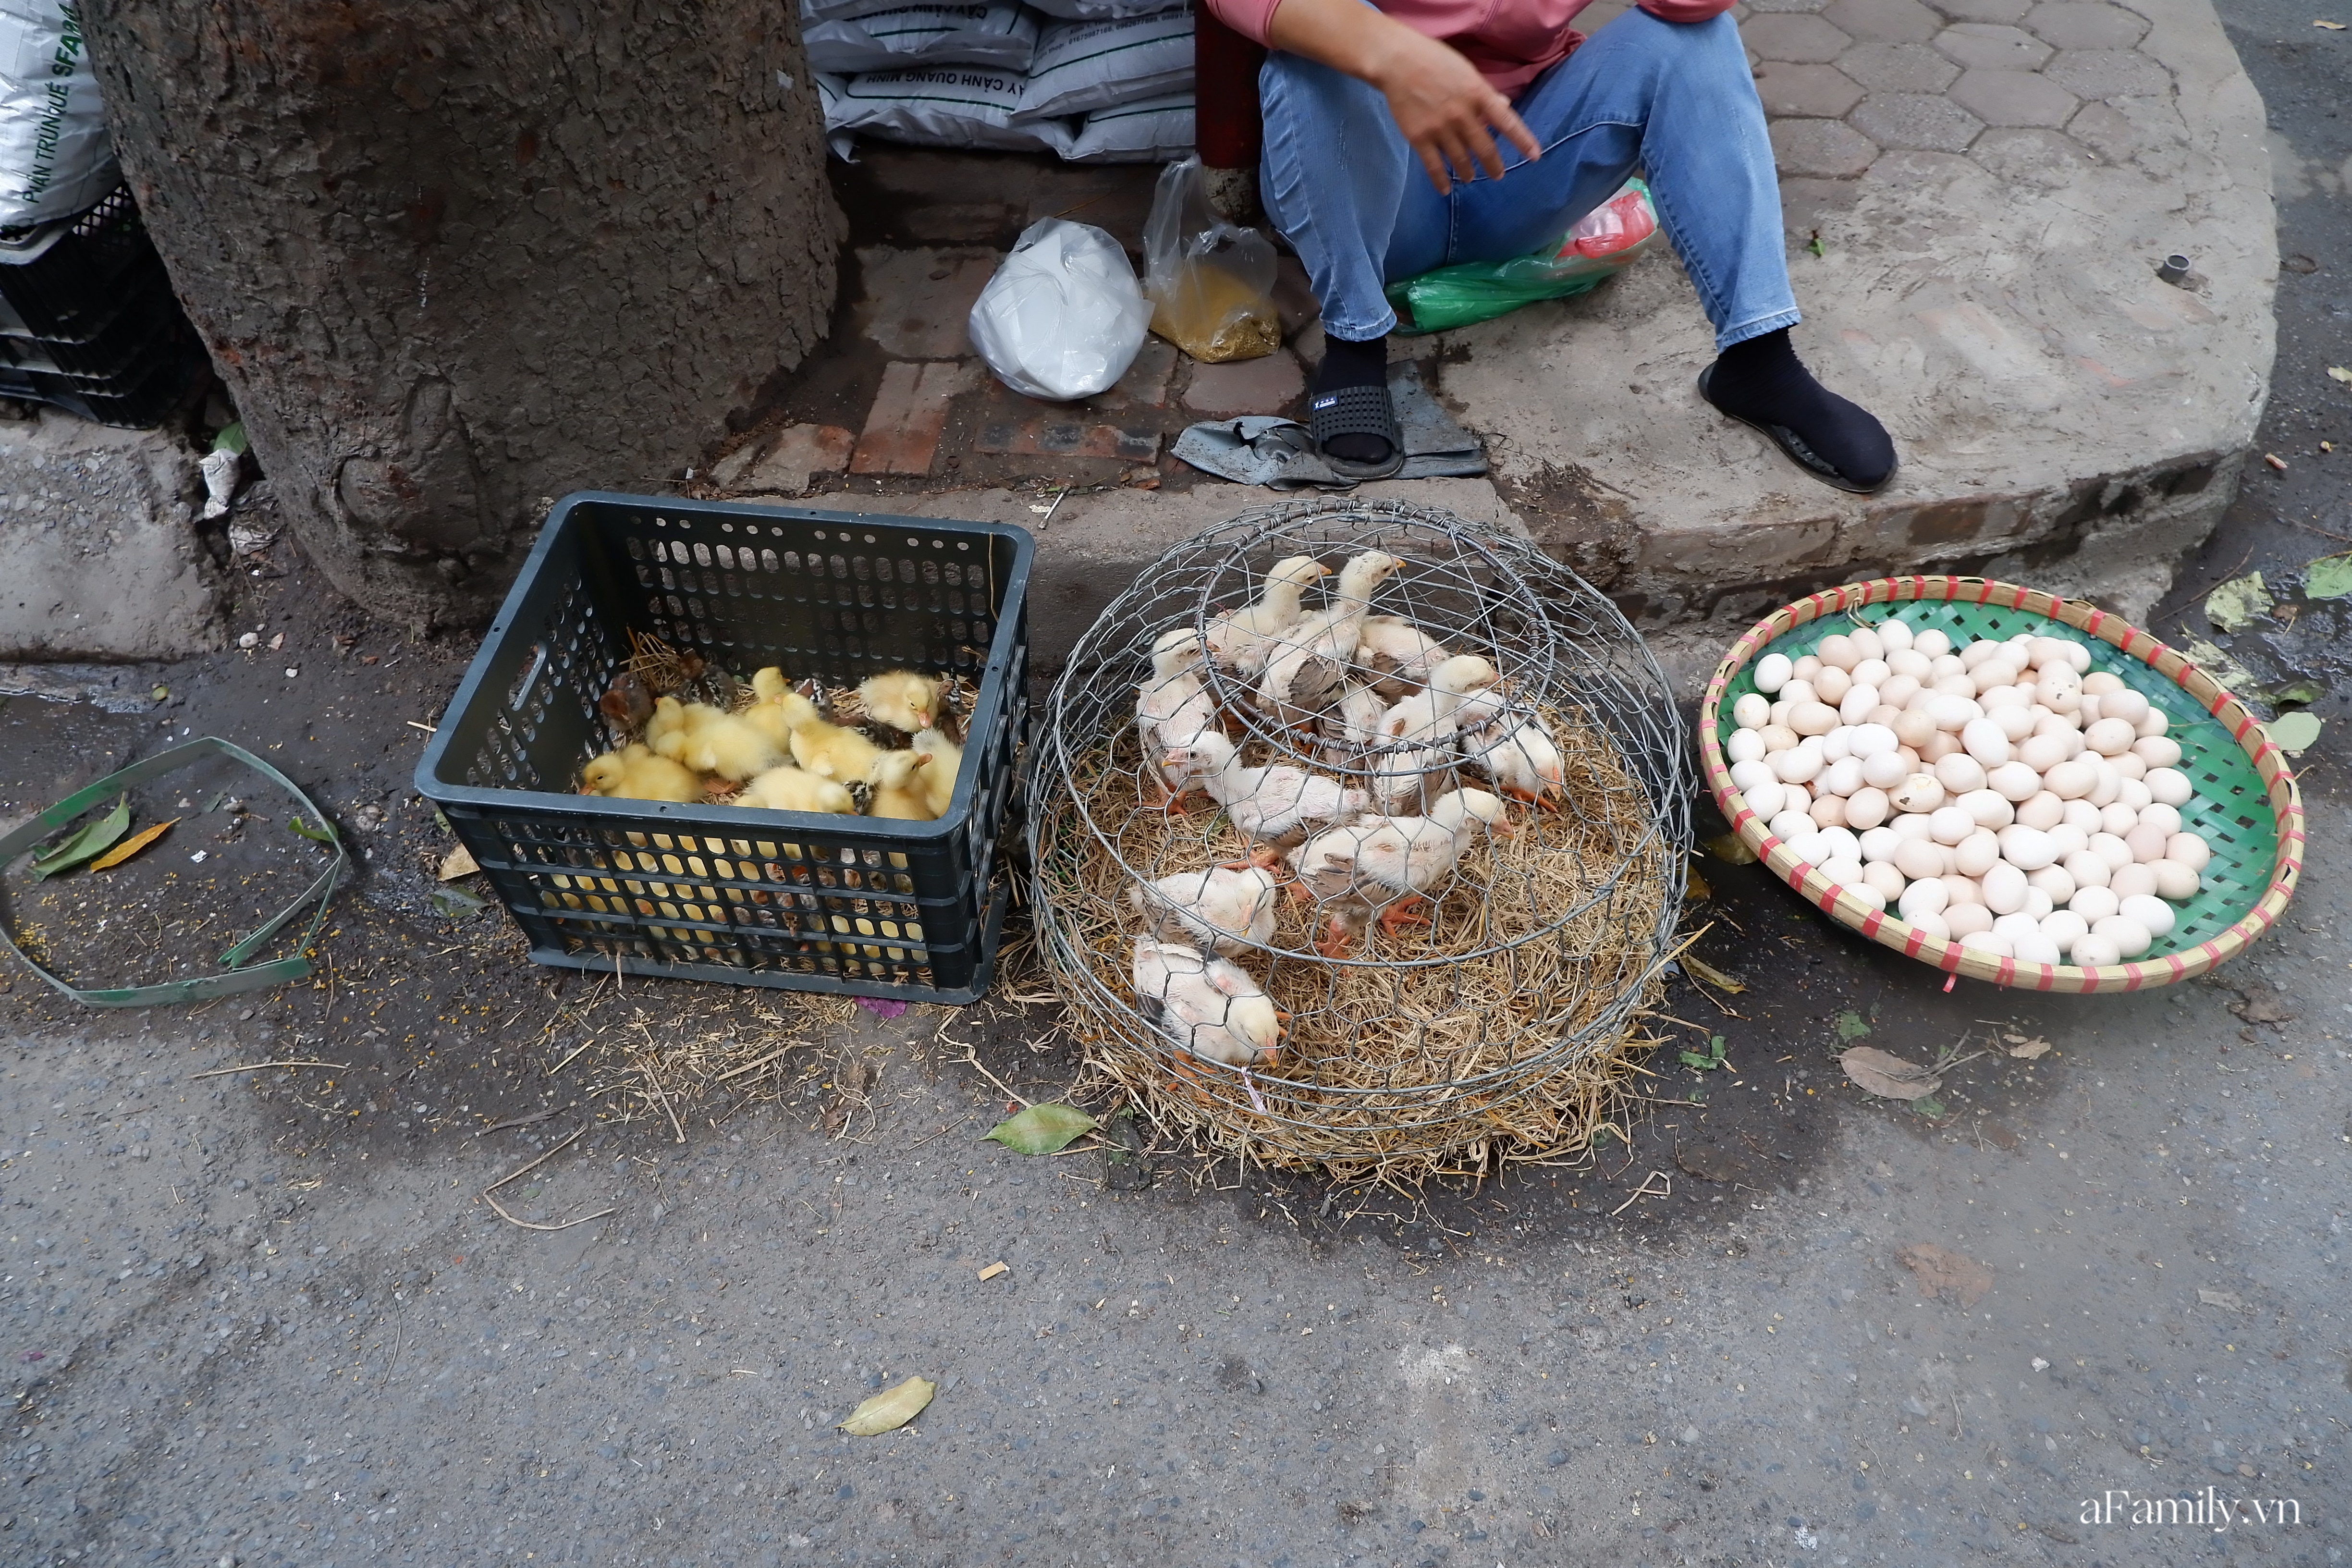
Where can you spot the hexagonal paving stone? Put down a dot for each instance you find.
(1794, 39)
(2109, 73)
(1827, 148)
(2106, 131)
(2043, 158)
(1812, 92)
(1983, 45)
(2073, 24)
(1884, 21)
(1983, 10)
(2013, 98)
(1915, 119)
(1761, 6)
(1898, 67)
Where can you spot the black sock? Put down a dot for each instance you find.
(1762, 380)
(1347, 365)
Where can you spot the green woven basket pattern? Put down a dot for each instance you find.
(2229, 810)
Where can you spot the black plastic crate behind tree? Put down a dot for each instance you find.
(139, 401)
(145, 329)
(65, 280)
(794, 900)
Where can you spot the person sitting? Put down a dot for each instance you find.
(1353, 98)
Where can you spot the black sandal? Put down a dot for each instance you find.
(1356, 411)
(1792, 446)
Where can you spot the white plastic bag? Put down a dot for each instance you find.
(55, 157)
(1001, 34)
(1063, 317)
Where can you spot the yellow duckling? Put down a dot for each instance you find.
(789, 788)
(939, 779)
(638, 773)
(826, 748)
(896, 791)
(902, 699)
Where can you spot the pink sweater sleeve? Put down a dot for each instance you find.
(1465, 19)
(1251, 18)
(1666, 10)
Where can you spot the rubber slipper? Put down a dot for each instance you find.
(1357, 411)
(1792, 446)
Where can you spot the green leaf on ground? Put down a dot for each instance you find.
(2296, 692)
(1850, 1026)
(231, 438)
(2329, 577)
(88, 844)
(456, 903)
(2294, 732)
(1928, 1105)
(316, 835)
(2237, 603)
(2240, 680)
(1732, 848)
(1708, 1059)
(890, 1409)
(1043, 1129)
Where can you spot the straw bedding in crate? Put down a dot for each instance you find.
(1499, 1029)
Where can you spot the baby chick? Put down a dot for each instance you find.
(1244, 639)
(1207, 1006)
(1223, 907)
(826, 748)
(788, 788)
(627, 704)
(939, 779)
(896, 791)
(638, 773)
(902, 699)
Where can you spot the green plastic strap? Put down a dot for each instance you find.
(210, 987)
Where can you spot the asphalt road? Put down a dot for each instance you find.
(264, 1317)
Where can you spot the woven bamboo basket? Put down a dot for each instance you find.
(2245, 804)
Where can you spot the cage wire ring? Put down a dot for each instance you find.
(1484, 999)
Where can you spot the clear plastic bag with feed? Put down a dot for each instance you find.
(1211, 282)
(1063, 317)
(1596, 247)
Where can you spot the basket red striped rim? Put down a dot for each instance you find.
(1890, 930)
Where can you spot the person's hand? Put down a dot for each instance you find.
(1447, 112)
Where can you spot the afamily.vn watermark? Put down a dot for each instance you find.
(2208, 1509)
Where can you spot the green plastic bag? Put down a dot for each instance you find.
(1603, 243)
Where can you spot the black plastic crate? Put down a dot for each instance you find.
(798, 900)
(141, 404)
(147, 329)
(64, 280)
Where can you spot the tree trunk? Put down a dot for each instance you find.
(458, 257)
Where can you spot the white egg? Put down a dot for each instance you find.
(2015, 782)
(1858, 704)
(1837, 651)
(1748, 773)
(2037, 902)
(1787, 823)
(1995, 699)
(2052, 883)
(2129, 706)
(1882, 875)
(2118, 819)
(1778, 738)
(1838, 744)
(2134, 794)
(2169, 785)
(1872, 741)
(2069, 779)
(2041, 809)
(2132, 880)
(1812, 718)
(2064, 702)
(1911, 825)
(1954, 713)
(2036, 948)
(1989, 942)
(2189, 850)
(1930, 925)
(1798, 764)
(1921, 859)
(1807, 667)
(2004, 888)
(1931, 642)
(1910, 662)
(1842, 777)
(1752, 712)
(2015, 722)
(2112, 850)
(2130, 937)
(1928, 896)
(2109, 737)
(2174, 880)
(2106, 782)
(1915, 729)
(2158, 751)
(1865, 808)
(1967, 920)
(1832, 685)
(1866, 895)
(1772, 672)
(2081, 815)
(1798, 689)
(2152, 725)
(1980, 650)
(2041, 753)
(1960, 772)
(1829, 810)
(1883, 770)
(1950, 825)
(1796, 797)
(2087, 869)
(2062, 926)
(1844, 872)
(1920, 792)
(1985, 741)
(2101, 683)
(1898, 690)
(2027, 848)
(2078, 656)
(1895, 634)
(2088, 709)
(2167, 819)
(1839, 844)
(2147, 842)
(1991, 676)
(1745, 746)
(1806, 845)
(1965, 889)
(1766, 798)
(1987, 808)
(2093, 951)
(2150, 911)
(2013, 926)
(1878, 843)
(1977, 854)
(2093, 904)
(2066, 838)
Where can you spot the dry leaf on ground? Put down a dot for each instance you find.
(458, 862)
(2294, 733)
(2258, 1003)
(2219, 1298)
(129, 847)
(992, 1270)
(1940, 1271)
(2237, 603)
(1702, 970)
(2019, 1046)
(890, 1409)
(1730, 846)
(1883, 1073)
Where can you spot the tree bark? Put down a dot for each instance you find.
(455, 258)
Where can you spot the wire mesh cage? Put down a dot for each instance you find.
(1357, 838)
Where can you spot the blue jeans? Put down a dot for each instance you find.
(1673, 98)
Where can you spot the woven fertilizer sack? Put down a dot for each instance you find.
(1002, 35)
(1093, 10)
(948, 106)
(1152, 131)
(55, 157)
(1084, 66)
